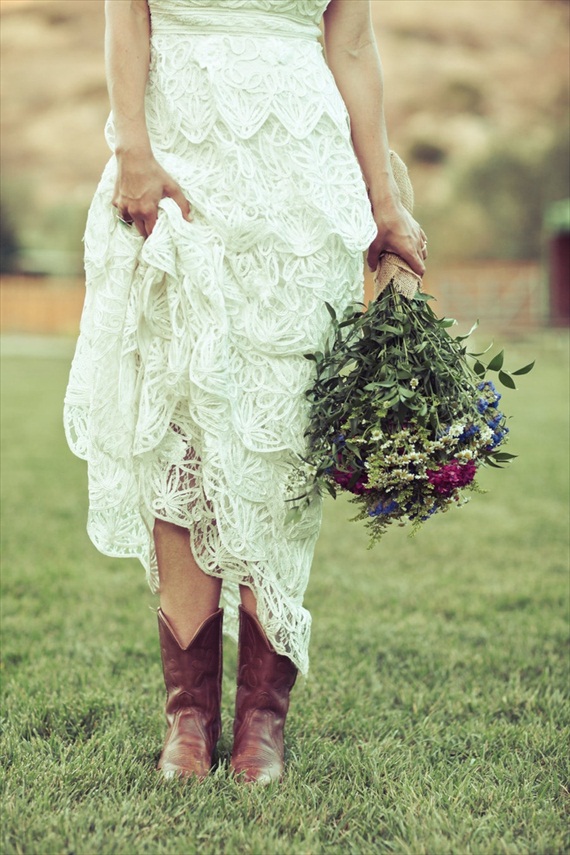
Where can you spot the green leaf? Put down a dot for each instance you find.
(330, 310)
(489, 462)
(471, 331)
(507, 380)
(525, 369)
(447, 322)
(481, 352)
(331, 489)
(292, 515)
(497, 362)
(354, 448)
(479, 368)
(503, 456)
(390, 329)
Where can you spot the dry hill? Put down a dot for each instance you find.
(463, 77)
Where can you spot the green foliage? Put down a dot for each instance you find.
(495, 207)
(427, 152)
(463, 96)
(9, 245)
(49, 240)
(513, 189)
(435, 717)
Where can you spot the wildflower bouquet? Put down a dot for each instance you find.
(402, 416)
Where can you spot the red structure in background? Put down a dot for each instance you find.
(557, 224)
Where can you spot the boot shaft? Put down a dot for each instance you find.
(192, 674)
(265, 678)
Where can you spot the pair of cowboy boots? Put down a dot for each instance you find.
(193, 678)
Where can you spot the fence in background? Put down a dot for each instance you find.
(503, 295)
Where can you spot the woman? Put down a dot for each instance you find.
(234, 206)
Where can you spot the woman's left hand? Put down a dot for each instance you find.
(399, 233)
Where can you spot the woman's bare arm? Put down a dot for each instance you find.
(141, 181)
(353, 58)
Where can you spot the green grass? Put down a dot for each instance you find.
(435, 716)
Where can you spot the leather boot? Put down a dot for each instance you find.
(265, 679)
(192, 676)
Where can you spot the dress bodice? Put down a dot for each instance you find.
(216, 11)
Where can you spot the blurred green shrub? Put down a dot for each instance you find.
(513, 188)
(44, 240)
(493, 207)
(427, 152)
(9, 244)
(462, 96)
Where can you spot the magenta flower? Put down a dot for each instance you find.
(343, 480)
(451, 476)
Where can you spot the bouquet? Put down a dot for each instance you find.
(402, 415)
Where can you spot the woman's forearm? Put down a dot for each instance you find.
(127, 55)
(353, 58)
(358, 75)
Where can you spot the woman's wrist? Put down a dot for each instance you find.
(128, 148)
(385, 193)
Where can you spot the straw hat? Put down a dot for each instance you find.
(390, 266)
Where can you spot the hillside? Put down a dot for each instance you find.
(463, 79)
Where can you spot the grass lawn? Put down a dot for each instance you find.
(435, 717)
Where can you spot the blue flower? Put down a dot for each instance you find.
(498, 437)
(496, 421)
(384, 509)
(490, 396)
(469, 432)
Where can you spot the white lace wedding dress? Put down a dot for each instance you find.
(186, 395)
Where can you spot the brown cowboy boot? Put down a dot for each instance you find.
(265, 679)
(192, 676)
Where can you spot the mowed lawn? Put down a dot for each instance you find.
(435, 716)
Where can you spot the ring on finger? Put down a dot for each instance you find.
(123, 221)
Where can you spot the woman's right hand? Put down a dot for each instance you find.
(141, 184)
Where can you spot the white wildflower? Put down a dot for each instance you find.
(464, 455)
(456, 430)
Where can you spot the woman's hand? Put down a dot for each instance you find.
(141, 184)
(399, 233)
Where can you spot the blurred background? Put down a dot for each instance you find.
(477, 97)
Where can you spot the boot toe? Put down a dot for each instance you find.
(170, 771)
(258, 770)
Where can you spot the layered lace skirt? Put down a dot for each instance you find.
(187, 389)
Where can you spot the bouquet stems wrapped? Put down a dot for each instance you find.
(402, 416)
